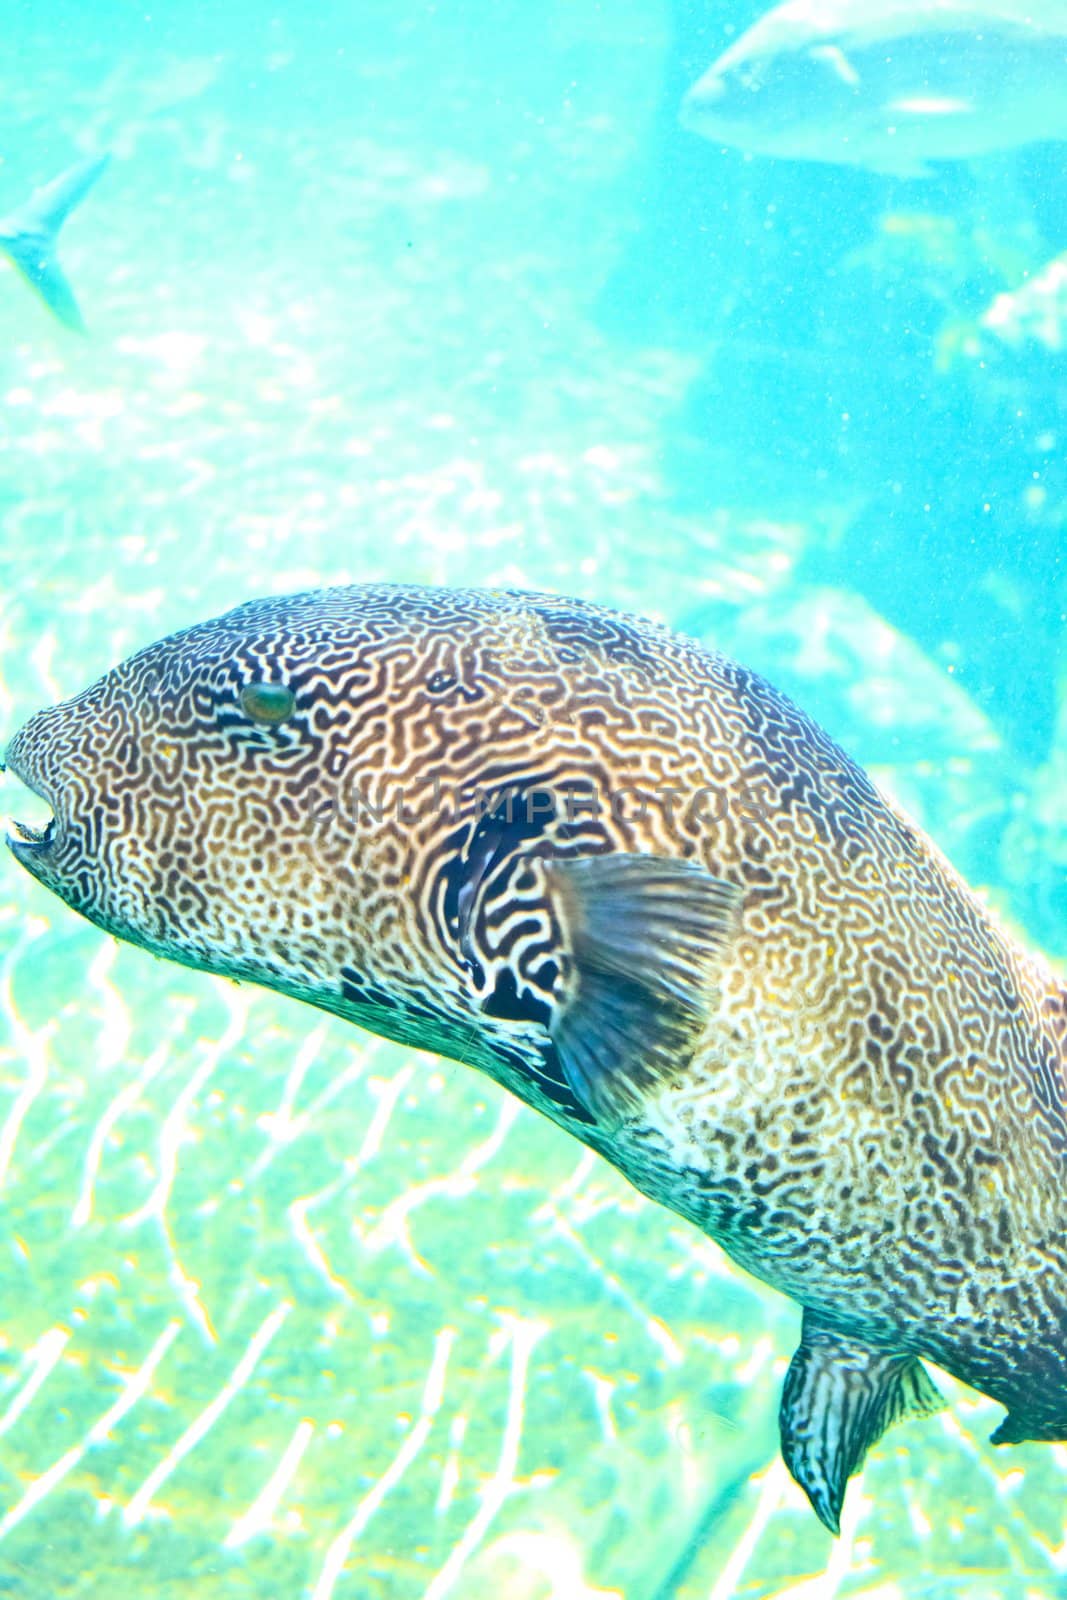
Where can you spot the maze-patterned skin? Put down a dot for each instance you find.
(790, 1021)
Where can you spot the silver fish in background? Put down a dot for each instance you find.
(29, 237)
(890, 85)
(687, 928)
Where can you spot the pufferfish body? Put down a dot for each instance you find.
(642, 890)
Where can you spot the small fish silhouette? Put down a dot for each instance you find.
(30, 237)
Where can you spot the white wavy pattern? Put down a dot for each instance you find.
(336, 1321)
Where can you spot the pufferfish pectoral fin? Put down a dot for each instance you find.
(646, 936)
(839, 1397)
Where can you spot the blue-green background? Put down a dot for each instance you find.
(441, 293)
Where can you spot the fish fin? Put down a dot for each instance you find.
(836, 59)
(646, 936)
(30, 236)
(1012, 1430)
(1017, 1428)
(839, 1397)
(931, 105)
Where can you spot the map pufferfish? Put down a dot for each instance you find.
(642, 890)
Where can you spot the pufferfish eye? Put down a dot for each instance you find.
(267, 702)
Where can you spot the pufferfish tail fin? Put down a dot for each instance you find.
(839, 1397)
(1022, 1427)
(30, 237)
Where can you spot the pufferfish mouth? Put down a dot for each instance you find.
(24, 837)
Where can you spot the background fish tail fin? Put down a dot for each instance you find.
(41, 269)
(30, 237)
(49, 206)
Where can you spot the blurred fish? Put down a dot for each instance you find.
(889, 84)
(30, 237)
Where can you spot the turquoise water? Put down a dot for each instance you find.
(442, 294)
